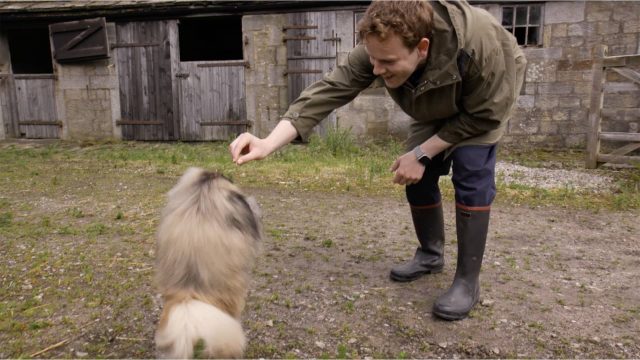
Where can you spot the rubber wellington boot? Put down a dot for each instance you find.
(429, 225)
(457, 302)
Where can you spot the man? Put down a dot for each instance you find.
(457, 73)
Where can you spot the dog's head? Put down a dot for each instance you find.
(214, 196)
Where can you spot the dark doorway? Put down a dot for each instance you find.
(30, 51)
(211, 38)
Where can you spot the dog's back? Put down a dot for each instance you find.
(206, 244)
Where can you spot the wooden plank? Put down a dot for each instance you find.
(298, 38)
(224, 123)
(35, 76)
(619, 136)
(138, 122)
(10, 108)
(41, 123)
(123, 45)
(299, 27)
(225, 63)
(629, 74)
(625, 149)
(623, 60)
(36, 104)
(618, 159)
(595, 107)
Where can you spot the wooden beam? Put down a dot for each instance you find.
(224, 123)
(595, 107)
(136, 122)
(624, 150)
(620, 136)
(623, 60)
(40, 122)
(628, 73)
(618, 159)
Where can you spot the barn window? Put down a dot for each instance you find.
(30, 51)
(211, 38)
(524, 22)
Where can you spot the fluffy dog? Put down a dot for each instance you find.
(207, 241)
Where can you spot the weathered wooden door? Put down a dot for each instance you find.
(143, 58)
(311, 52)
(212, 100)
(29, 105)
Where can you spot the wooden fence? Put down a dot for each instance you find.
(620, 65)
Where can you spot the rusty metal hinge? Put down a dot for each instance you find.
(335, 39)
(299, 27)
(182, 75)
(302, 71)
(298, 38)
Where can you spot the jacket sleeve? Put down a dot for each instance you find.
(337, 88)
(488, 94)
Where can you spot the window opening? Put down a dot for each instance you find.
(30, 51)
(211, 38)
(357, 16)
(524, 22)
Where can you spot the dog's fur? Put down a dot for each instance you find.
(207, 241)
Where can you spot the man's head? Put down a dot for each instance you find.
(396, 36)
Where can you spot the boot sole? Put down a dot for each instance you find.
(416, 276)
(450, 316)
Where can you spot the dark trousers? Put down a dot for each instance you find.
(473, 177)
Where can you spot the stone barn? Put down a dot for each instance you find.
(196, 70)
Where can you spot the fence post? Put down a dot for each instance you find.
(595, 108)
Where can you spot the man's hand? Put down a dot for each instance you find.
(247, 147)
(408, 170)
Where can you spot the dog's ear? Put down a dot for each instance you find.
(249, 217)
(255, 208)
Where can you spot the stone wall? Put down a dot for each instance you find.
(554, 105)
(265, 83)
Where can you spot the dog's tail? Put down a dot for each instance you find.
(193, 327)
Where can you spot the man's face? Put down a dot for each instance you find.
(392, 60)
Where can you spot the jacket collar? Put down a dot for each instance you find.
(441, 68)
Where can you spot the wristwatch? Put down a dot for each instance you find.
(421, 156)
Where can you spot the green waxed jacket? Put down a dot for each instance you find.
(466, 93)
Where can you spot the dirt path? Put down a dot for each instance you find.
(555, 283)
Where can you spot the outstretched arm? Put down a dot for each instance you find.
(247, 147)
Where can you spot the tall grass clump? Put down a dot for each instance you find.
(337, 143)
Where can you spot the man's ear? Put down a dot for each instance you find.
(423, 48)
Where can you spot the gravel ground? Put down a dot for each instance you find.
(552, 178)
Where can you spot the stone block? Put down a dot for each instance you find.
(569, 101)
(103, 82)
(73, 82)
(75, 94)
(560, 114)
(530, 88)
(574, 141)
(544, 101)
(548, 127)
(559, 30)
(608, 27)
(571, 75)
(564, 12)
(526, 101)
(598, 10)
(541, 71)
(575, 30)
(555, 88)
(533, 54)
(626, 10)
(631, 26)
(577, 53)
(582, 88)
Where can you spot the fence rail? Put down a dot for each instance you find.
(619, 65)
